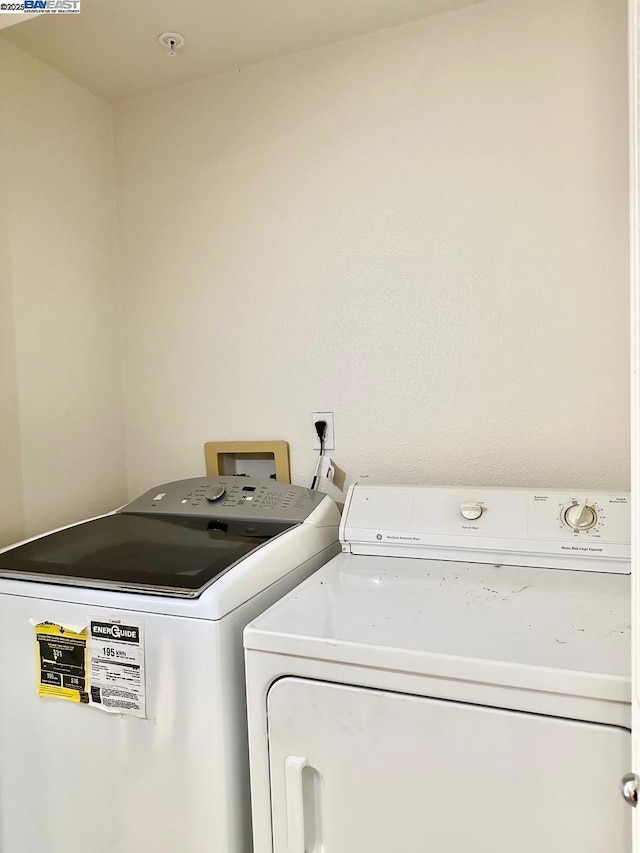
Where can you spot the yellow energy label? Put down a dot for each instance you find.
(62, 662)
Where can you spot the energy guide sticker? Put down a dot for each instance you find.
(116, 666)
(62, 662)
(101, 666)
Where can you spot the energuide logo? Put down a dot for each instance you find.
(115, 632)
(42, 7)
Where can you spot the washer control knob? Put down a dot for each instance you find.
(214, 493)
(581, 516)
(471, 511)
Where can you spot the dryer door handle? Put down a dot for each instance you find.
(294, 787)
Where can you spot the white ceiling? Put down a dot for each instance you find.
(111, 47)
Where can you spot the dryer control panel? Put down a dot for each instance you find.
(578, 529)
(232, 498)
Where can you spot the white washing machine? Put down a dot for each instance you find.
(457, 680)
(122, 710)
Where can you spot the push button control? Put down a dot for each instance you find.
(471, 511)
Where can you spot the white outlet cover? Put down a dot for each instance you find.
(330, 439)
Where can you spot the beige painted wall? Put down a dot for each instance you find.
(12, 20)
(424, 230)
(62, 453)
(11, 504)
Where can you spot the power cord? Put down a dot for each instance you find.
(321, 429)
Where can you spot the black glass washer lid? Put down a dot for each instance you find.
(155, 554)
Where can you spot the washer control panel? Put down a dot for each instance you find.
(555, 527)
(229, 497)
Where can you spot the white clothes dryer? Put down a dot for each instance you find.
(458, 679)
(122, 694)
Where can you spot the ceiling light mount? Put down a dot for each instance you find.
(172, 42)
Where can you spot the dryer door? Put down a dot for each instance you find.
(355, 770)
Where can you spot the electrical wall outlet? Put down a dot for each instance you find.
(329, 436)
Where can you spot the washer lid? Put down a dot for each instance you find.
(156, 554)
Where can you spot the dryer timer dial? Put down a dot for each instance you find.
(581, 516)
